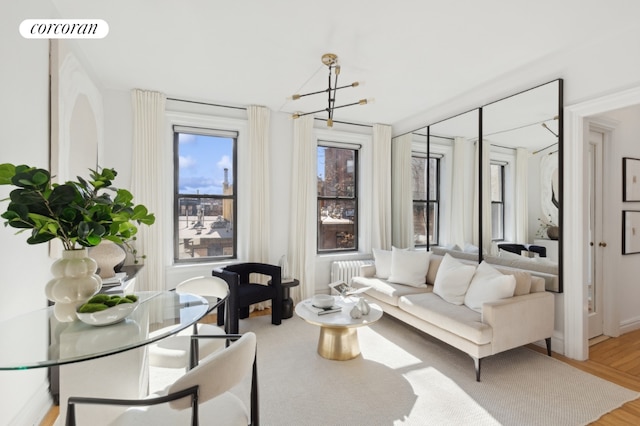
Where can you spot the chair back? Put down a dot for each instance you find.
(218, 372)
(207, 287)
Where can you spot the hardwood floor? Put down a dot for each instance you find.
(616, 360)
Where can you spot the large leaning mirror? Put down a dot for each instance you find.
(521, 162)
(454, 184)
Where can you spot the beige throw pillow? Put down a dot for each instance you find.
(488, 285)
(452, 280)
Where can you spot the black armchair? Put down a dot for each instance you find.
(244, 293)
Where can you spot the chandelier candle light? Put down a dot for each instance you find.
(331, 61)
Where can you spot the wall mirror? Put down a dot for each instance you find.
(521, 178)
(453, 180)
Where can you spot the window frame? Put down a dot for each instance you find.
(203, 131)
(502, 201)
(323, 143)
(427, 201)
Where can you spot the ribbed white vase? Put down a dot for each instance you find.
(107, 254)
(74, 282)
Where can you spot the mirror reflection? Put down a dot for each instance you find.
(521, 140)
(453, 172)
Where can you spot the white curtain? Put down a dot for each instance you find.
(302, 232)
(381, 227)
(402, 192)
(148, 183)
(522, 196)
(260, 219)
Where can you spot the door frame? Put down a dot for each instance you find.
(576, 344)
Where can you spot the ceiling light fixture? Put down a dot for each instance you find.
(331, 61)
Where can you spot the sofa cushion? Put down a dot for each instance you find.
(434, 265)
(453, 279)
(386, 291)
(409, 267)
(488, 285)
(382, 260)
(457, 319)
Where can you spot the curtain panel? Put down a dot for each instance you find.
(148, 182)
(302, 231)
(381, 217)
(402, 192)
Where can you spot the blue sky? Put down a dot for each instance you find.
(202, 160)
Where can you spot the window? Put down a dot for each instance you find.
(337, 198)
(204, 194)
(497, 202)
(425, 203)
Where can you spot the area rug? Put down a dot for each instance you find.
(404, 377)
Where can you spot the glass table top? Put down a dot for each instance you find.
(37, 339)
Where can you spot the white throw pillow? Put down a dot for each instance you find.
(452, 280)
(488, 285)
(409, 267)
(382, 260)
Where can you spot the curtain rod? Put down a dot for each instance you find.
(206, 103)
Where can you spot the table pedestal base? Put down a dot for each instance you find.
(338, 343)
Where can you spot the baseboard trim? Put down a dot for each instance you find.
(630, 325)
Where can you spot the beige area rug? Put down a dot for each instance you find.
(404, 377)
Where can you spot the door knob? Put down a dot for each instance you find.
(591, 243)
(602, 244)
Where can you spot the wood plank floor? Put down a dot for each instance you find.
(616, 360)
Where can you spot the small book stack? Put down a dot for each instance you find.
(321, 311)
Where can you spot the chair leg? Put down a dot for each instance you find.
(244, 312)
(477, 362)
(548, 342)
(221, 315)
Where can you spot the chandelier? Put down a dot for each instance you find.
(331, 61)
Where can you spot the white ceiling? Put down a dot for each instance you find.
(412, 54)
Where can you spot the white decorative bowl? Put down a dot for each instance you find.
(322, 301)
(108, 316)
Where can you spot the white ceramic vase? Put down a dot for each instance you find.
(74, 282)
(107, 255)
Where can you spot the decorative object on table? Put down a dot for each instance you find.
(322, 301)
(548, 229)
(363, 306)
(284, 269)
(103, 309)
(107, 255)
(80, 214)
(630, 179)
(356, 312)
(331, 61)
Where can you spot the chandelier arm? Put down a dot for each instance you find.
(354, 103)
(312, 93)
(312, 112)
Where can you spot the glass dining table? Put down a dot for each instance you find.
(100, 361)
(70, 342)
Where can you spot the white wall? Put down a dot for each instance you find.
(25, 269)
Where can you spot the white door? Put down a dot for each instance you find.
(596, 243)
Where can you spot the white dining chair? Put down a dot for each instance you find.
(173, 351)
(201, 396)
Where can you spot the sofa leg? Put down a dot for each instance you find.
(548, 342)
(476, 362)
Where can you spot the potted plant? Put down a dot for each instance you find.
(80, 214)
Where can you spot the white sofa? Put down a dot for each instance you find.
(500, 325)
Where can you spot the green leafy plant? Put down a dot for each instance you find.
(79, 213)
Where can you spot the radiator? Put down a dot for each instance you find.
(344, 270)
